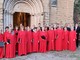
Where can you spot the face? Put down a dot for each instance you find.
(39, 24)
(35, 30)
(38, 28)
(28, 28)
(65, 28)
(21, 24)
(42, 28)
(54, 26)
(16, 28)
(50, 28)
(72, 28)
(76, 24)
(22, 28)
(7, 29)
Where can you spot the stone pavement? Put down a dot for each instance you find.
(52, 55)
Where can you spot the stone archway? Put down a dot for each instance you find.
(34, 7)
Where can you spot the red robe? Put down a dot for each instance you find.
(16, 34)
(22, 43)
(43, 42)
(10, 49)
(50, 39)
(72, 40)
(55, 34)
(29, 41)
(16, 45)
(13, 42)
(1, 49)
(39, 40)
(66, 39)
(35, 41)
(59, 39)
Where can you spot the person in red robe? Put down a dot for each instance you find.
(50, 39)
(35, 40)
(29, 39)
(16, 34)
(55, 34)
(39, 29)
(1, 48)
(43, 40)
(72, 40)
(66, 39)
(22, 42)
(59, 39)
(9, 40)
(13, 44)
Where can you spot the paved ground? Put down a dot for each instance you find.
(52, 55)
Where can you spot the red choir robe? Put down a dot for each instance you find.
(72, 40)
(13, 42)
(66, 40)
(55, 34)
(43, 42)
(22, 43)
(50, 40)
(16, 34)
(10, 48)
(1, 48)
(59, 40)
(29, 41)
(35, 41)
(47, 39)
(38, 32)
(39, 40)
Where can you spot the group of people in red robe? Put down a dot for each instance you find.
(39, 39)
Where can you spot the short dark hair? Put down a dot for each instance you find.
(35, 27)
(6, 27)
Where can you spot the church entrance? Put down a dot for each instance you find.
(28, 13)
(21, 17)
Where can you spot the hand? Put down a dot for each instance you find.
(52, 40)
(32, 40)
(7, 43)
(38, 41)
(73, 39)
(68, 41)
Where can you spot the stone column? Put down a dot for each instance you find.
(8, 19)
(1, 14)
(5, 18)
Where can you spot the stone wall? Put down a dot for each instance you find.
(63, 12)
(1, 14)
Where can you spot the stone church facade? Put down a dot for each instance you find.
(41, 11)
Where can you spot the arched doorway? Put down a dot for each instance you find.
(21, 17)
(33, 7)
